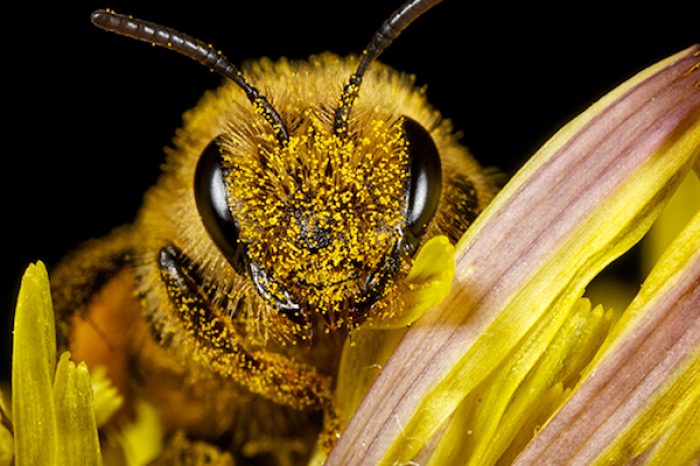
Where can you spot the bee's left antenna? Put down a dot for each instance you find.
(195, 49)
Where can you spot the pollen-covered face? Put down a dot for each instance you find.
(319, 215)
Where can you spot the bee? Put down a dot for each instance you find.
(282, 222)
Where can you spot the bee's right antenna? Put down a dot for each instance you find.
(390, 30)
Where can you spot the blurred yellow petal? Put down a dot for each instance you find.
(107, 398)
(364, 356)
(586, 197)
(7, 440)
(78, 443)
(33, 368)
(138, 442)
(680, 209)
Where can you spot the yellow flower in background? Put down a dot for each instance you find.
(515, 349)
(474, 378)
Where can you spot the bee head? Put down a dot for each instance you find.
(325, 222)
(322, 215)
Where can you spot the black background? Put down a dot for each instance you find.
(89, 112)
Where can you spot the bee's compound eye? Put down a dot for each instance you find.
(212, 202)
(425, 181)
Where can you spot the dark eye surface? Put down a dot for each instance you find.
(212, 204)
(425, 181)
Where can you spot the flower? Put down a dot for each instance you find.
(473, 378)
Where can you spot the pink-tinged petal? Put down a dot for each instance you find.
(673, 447)
(588, 195)
(430, 280)
(646, 376)
(547, 357)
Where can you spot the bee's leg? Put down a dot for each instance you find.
(95, 303)
(270, 375)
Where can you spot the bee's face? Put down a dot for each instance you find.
(318, 216)
(324, 224)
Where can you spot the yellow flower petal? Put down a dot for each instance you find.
(33, 368)
(430, 277)
(78, 443)
(548, 404)
(549, 355)
(645, 378)
(676, 446)
(53, 416)
(429, 281)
